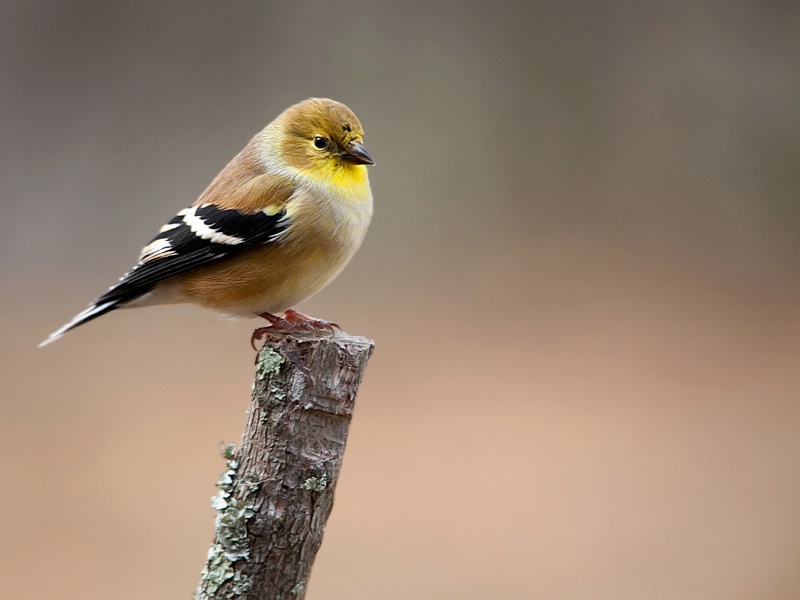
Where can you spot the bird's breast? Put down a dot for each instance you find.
(324, 233)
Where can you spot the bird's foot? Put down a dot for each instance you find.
(306, 323)
(291, 322)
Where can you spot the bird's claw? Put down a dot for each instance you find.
(292, 322)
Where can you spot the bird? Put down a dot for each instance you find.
(274, 227)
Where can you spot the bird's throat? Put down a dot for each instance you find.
(344, 180)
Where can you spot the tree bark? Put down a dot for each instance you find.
(277, 491)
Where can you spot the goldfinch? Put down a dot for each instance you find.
(278, 224)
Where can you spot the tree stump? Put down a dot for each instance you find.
(277, 491)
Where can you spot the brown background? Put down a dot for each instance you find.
(582, 277)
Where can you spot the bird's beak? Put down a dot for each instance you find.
(357, 154)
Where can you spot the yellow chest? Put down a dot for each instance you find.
(340, 180)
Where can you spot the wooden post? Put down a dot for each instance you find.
(277, 491)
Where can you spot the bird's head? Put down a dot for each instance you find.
(323, 140)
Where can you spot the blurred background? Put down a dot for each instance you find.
(583, 279)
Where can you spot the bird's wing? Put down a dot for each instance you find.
(223, 224)
(206, 233)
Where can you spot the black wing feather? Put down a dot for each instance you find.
(187, 250)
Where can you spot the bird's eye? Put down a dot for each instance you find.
(320, 142)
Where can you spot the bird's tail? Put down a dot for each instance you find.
(94, 311)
